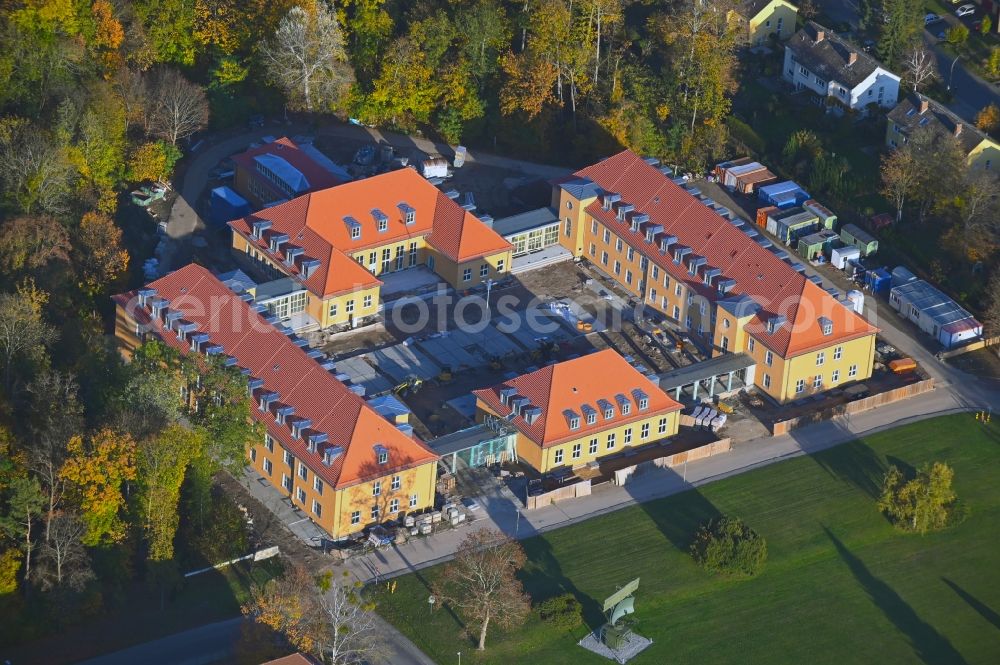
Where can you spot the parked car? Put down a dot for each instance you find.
(965, 10)
(931, 18)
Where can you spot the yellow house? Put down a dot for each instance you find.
(916, 112)
(578, 411)
(344, 465)
(326, 251)
(762, 18)
(707, 277)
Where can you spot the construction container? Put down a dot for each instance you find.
(783, 194)
(763, 213)
(826, 218)
(854, 235)
(226, 205)
(878, 280)
(839, 256)
(901, 275)
(902, 365)
(857, 300)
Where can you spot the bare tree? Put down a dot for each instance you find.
(900, 173)
(179, 108)
(352, 634)
(133, 89)
(306, 58)
(978, 207)
(322, 616)
(55, 415)
(34, 172)
(919, 67)
(62, 558)
(482, 583)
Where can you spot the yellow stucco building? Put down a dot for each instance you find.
(710, 279)
(344, 465)
(760, 19)
(916, 112)
(578, 411)
(331, 247)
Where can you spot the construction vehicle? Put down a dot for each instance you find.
(408, 387)
(446, 374)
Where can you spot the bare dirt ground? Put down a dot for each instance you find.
(984, 362)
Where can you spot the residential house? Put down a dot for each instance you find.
(578, 411)
(763, 18)
(335, 243)
(917, 112)
(708, 277)
(325, 449)
(281, 170)
(818, 60)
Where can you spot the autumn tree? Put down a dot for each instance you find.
(94, 134)
(178, 108)
(482, 584)
(95, 473)
(224, 414)
(978, 210)
(30, 245)
(900, 173)
(529, 85)
(919, 68)
(988, 118)
(162, 462)
(101, 254)
(306, 59)
(325, 616)
(152, 161)
(369, 29)
(24, 334)
(108, 34)
(921, 504)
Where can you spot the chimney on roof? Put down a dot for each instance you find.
(852, 57)
(820, 36)
(924, 105)
(958, 129)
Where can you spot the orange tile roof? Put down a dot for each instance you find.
(318, 223)
(571, 384)
(286, 369)
(768, 280)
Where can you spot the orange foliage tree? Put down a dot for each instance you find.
(95, 473)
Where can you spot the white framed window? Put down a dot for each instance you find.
(591, 417)
(317, 484)
(333, 309)
(835, 376)
(677, 289)
(375, 512)
(356, 517)
(751, 343)
(286, 482)
(604, 258)
(467, 275)
(852, 371)
(611, 441)
(355, 232)
(301, 494)
(317, 509)
(367, 302)
(574, 422)
(303, 471)
(618, 244)
(349, 306)
(607, 236)
(593, 249)
(593, 447)
(397, 481)
(838, 352)
(768, 358)
(644, 431)
(413, 501)
(593, 226)
(628, 435)
(267, 466)
(661, 427)
(725, 343)
(818, 381)
(631, 254)
(569, 226)
(500, 265)
(377, 488)
(383, 457)
(558, 458)
(288, 459)
(820, 358)
(626, 408)
(618, 267)
(394, 506)
(269, 443)
(484, 270)
(800, 386)
(253, 454)
(577, 450)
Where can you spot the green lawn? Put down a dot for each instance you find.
(841, 585)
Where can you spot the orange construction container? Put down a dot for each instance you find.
(902, 365)
(762, 214)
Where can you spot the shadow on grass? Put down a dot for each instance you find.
(928, 644)
(854, 463)
(547, 580)
(983, 609)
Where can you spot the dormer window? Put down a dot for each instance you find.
(381, 221)
(607, 408)
(353, 227)
(624, 404)
(590, 413)
(381, 454)
(408, 212)
(572, 419)
(641, 399)
(826, 325)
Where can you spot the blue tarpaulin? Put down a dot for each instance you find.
(783, 194)
(227, 205)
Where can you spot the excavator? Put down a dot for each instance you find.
(408, 387)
